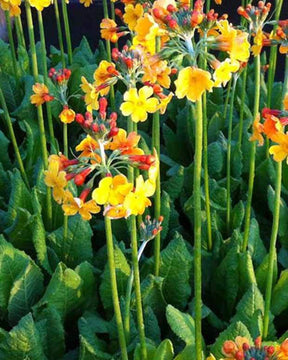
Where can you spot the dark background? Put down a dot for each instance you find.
(86, 22)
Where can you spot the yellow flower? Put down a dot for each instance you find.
(132, 14)
(112, 190)
(116, 212)
(103, 73)
(285, 102)
(139, 104)
(258, 43)
(146, 31)
(41, 94)
(137, 201)
(55, 179)
(40, 4)
(282, 350)
(73, 205)
(109, 30)
(67, 115)
(12, 6)
(164, 103)
(91, 95)
(156, 70)
(280, 151)
(223, 72)
(192, 82)
(258, 129)
(86, 3)
(218, 2)
(88, 147)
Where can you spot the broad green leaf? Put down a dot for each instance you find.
(283, 223)
(165, 212)
(236, 162)
(152, 329)
(279, 301)
(152, 294)
(77, 246)
(173, 186)
(188, 353)
(150, 352)
(4, 154)
(122, 273)
(235, 329)
(261, 273)
(215, 125)
(216, 159)
(164, 351)
(246, 272)
(175, 268)
(255, 244)
(89, 288)
(51, 330)
(83, 55)
(181, 324)
(26, 111)
(23, 342)
(237, 215)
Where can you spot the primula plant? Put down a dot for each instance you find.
(144, 184)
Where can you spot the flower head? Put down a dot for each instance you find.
(280, 151)
(40, 4)
(102, 75)
(56, 179)
(138, 104)
(258, 129)
(91, 95)
(74, 205)
(132, 14)
(67, 115)
(224, 70)
(41, 94)
(88, 147)
(127, 145)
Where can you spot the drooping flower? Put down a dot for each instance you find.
(12, 6)
(127, 145)
(55, 179)
(132, 14)
(88, 147)
(257, 42)
(40, 4)
(91, 95)
(258, 130)
(67, 115)
(74, 205)
(137, 201)
(164, 101)
(224, 70)
(192, 82)
(103, 73)
(139, 104)
(41, 94)
(280, 151)
(112, 190)
(109, 30)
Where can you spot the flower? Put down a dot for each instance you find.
(40, 4)
(91, 95)
(282, 350)
(109, 30)
(258, 42)
(103, 73)
(139, 104)
(116, 212)
(156, 70)
(218, 2)
(137, 201)
(112, 190)
(55, 179)
(146, 31)
(280, 151)
(126, 144)
(67, 115)
(88, 147)
(41, 94)
(86, 3)
(192, 82)
(272, 126)
(132, 14)
(232, 348)
(164, 101)
(258, 129)
(224, 72)
(73, 205)
(12, 6)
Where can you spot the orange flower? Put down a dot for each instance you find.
(218, 2)
(230, 348)
(282, 350)
(116, 212)
(156, 70)
(67, 115)
(272, 126)
(73, 205)
(88, 147)
(258, 129)
(132, 14)
(103, 74)
(41, 94)
(280, 151)
(192, 82)
(126, 144)
(109, 30)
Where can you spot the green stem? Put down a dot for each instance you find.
(113, 281)
(44, 64)
(19, 30)
(208, 5)
(140, 319)
(39, 108)
(227, 99)
(65, 139)
(228, 177)
(243, 95)
(59, 32)
(197, 228)
(275, 226)
(272, 68)
(67, 31)
(252, 154)
(11, 42)
(127, 308)
(13, 138)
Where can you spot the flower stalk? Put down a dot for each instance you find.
(19, 31)
(11, 42)
(67, 31)
(59, 32)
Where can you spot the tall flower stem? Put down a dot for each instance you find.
(19, 31)
(39, 108)
(227, 99)
(252, 155)
(67, 31)
(65, 146)
(272, 67)
(208, 5)
(229, 145)
(275, 226)
(197, 228)
(59, 32)
(115, 296)
(13, 138)
(11, 42)
(44, 64)
(243, 95)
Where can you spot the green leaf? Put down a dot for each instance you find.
(152, 329)
(165, 212)
(23, 342)
(237, 215)
(216, 124)
(261, 273)
(216, 159)
(4, 154)
(26, 111)
(77, 247)
(255, 244)
(83, 55)
(236, 163)
(164, 351)
(246, 272)
(89, 287)
(283, 223)
(181, 324)
(173, 186)
(64, 291)
(152, 295)
(122, 272)
(279, 301)
(235, 329)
